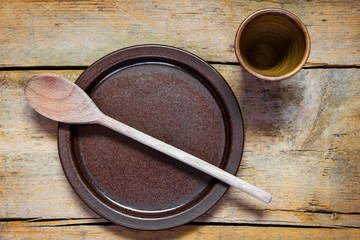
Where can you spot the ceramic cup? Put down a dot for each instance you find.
(272, 44)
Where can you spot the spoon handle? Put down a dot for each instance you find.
(184, 157)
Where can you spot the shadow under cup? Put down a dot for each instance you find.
(272, 44)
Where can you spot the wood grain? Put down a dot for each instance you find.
(301, 145)
(85, 229)
(67, 33)
(302, 134)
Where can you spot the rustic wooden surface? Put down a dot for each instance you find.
(302, 134)
(80, 32)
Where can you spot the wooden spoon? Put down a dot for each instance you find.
(59, 99)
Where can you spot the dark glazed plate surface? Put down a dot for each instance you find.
(169, 94)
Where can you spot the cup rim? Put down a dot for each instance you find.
(301, 25)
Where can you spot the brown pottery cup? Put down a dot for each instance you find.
(272, 44)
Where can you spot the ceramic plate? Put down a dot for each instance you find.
(169, 94)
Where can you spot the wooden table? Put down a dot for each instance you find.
(302, 134)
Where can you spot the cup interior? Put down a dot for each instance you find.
(272, 44)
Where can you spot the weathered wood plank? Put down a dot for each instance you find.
(77, 229)
(302, 139)
(58, 33)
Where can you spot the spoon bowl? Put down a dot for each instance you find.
(59, 99)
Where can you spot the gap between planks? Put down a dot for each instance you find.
(61, 222)
(83, 67)
(68, 222)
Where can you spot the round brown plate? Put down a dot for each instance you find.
(171, 95)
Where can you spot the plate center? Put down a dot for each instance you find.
(167, 103)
